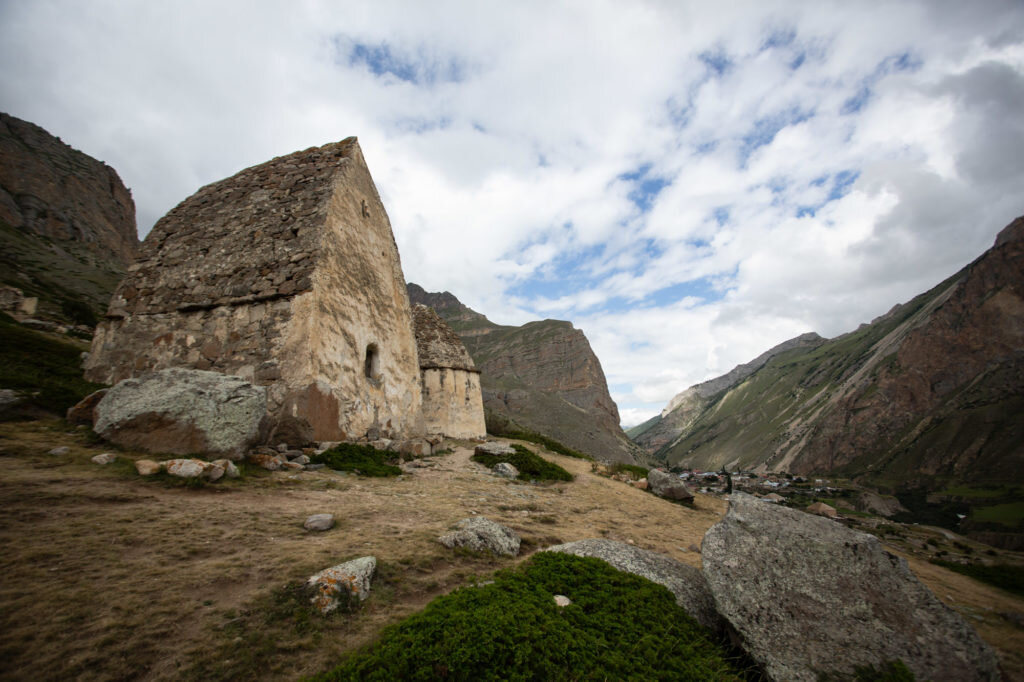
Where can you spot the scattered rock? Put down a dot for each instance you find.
(506, 470)
(435, 439)
(641, 484)
(302, 459)
(669, 486)
(62, 450)
(807, 596)
(822, 509)
(268, 462)
(292, 466)
(214, 471)
(562, 600)
(494, 448)
(342, 584)
(315, 467)
(230, 470)
(684, 581)
(319, 522)
(185, 468)
(182, 411)
(480, 534)
(694, 548)
(416, 447)
(105, 458)
(293, 454)
(147, 467)
(9, 399)
(84, 411)
(773, 497)
(384, 444)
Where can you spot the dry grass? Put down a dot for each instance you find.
(111, 576)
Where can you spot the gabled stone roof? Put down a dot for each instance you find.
(251, 237)
(438, 346)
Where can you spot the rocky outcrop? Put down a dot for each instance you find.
(67, 222)
(807, 596)
(179, 411)
(932, 390)
(669, 486)
(685, 582)
(541, 377)
(480, 534)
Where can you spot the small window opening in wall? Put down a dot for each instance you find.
(371, 366)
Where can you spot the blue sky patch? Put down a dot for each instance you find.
(703, 288)
(382, 61)
(766, 128)
(717, 62)
(841, 184)
(645, 187)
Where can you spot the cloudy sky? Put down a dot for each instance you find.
(688, 184)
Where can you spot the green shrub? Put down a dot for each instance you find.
(500, 426)
(39, 364)
(1003, 576)
(531, 467)
(361, 459)
(619, 626)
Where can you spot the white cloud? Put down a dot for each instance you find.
(819, 161)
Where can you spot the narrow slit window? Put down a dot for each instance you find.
(371, 366)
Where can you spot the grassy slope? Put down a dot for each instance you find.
(744, 424)
(44, 365)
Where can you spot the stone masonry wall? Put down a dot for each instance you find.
(453, 403)
(286, 274)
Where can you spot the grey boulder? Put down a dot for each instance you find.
(183, 411)
(684, 581)
(482, 535)
(807, 596)
(506, 470)
(346, 584)
(669, 486)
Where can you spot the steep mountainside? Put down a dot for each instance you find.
(685, 407)
(931, 392)
(67, 222)
(542, 376)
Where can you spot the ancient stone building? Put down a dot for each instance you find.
(286, 274)
(452, 399)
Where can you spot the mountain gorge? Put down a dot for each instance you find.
(67, 223)
(928, 394)
(542, 376)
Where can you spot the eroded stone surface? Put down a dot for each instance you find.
(319, 522)
(807, 595)
(685, 582)
(482, 535)
(180, 411)
(349, 581)
(287, 275)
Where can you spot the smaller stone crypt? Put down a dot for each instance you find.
(287, 275)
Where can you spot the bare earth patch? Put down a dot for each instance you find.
(107, 575)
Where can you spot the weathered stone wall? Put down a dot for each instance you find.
(453, 403)
(286, 274)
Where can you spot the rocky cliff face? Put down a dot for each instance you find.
(542, 376)
(67, 222)
(932, 391)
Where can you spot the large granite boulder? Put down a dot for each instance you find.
(183, 411)
(669, 486)
(684, 581)
(482, 535)
(807, 596)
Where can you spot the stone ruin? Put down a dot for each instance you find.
(452, 398)
(287, 274)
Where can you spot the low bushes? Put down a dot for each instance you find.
(619, 626)
(361, 459)
(531, 467)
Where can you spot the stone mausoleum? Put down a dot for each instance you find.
(287, 275)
